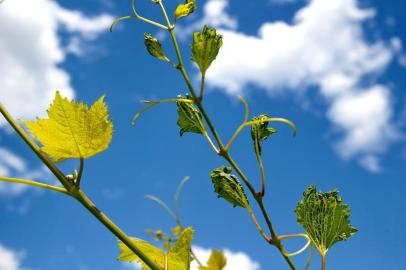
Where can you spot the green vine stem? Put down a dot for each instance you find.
(308, 242)
(34, 184)
(261, 168)
(249, 123)
(222, 150)
(144, 19)
(75, 191)
(80, 173)
(323, 262)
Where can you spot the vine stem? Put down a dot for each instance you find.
(246, 124)
(80, 173)
(202, 86)
(34, 184)
(261, 166)
(75, 191)
(222, 150)
(323, 262)
(145, 19)
(261, 231)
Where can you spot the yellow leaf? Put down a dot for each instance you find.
(185, 9)
(126, 255)
(217, 261)
(72, 130)
(178, 257)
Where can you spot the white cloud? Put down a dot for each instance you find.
(12, 165)
(365, 118)
(31, 52)
(325, 47)
(215, 14)
(9, 259)
(235, 260)
(370, 163)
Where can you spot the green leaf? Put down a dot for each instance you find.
(190, 119)
(154, 47)
(217, 261)
(325, 218)
(72, 130)
(185, 9)
(260, 130)
(227, 186)
(178, 257)
(205, 47)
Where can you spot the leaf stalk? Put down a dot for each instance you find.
(34, 184)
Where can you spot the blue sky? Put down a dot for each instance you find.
(336, 68)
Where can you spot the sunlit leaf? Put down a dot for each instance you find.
(177, 230)
(227, 186)
(72, 130)
(205, 47)
(156, 254)
(260, 130)
(154, 47)
(190, 119)
(185, 9)
(217, 261)
(325, 218)
(178, 257)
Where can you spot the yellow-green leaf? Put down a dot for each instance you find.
(72, 130)
(205, 47)
(154, 47)
(154, 253)
(217, 261)
(178, 257)
(190, 119)
(185, 9)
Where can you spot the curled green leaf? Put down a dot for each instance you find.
(154, 47)
(185, 9)
(205, 47)
(190, 119)
(227, 186)
(260, 131)
(325, 218)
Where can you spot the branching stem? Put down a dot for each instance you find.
(145, 19)
(249, 123)
(259, 228)
(222, 150)
(75, 191)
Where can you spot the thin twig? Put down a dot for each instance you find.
(34, 184)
